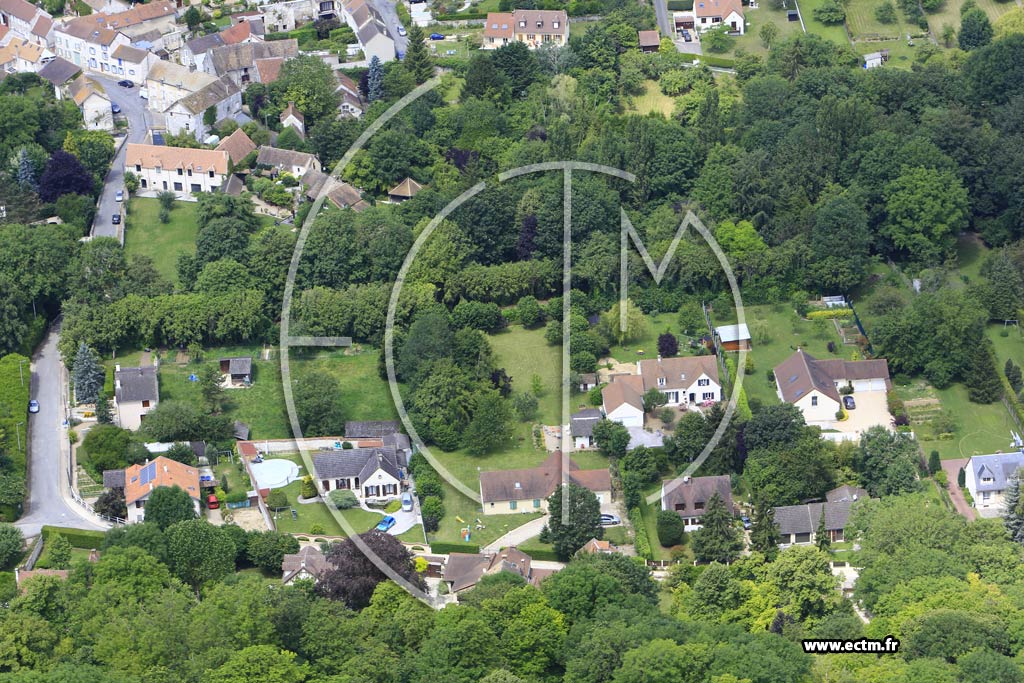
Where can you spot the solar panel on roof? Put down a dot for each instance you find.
(148, 473)
(792, 379)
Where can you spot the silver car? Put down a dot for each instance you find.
(406, 502)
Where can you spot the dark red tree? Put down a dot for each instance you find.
(64, 174)
(354, 576)
(668, 345)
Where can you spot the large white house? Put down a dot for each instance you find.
(370, 473)
(181, 170)
(89, 43)
(136, 392)
(93, 102)
(21, 19)
(188, 114)
(532, 27)
(687, 382)
(987, 478)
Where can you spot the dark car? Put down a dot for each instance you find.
(436, 36)
(687, 37)
(849, 403)
(115, 219)
(115, 108)
(386, 523)
(746, 521)
(126, 84)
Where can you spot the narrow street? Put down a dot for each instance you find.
(664, 19)
(47, 501)
(952, 470)
(390, 14)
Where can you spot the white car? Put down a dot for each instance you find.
(402, 31)
(119, 196)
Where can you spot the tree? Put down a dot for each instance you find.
(830, 12)
(64, 174)
(926, 209)
(289, 138)
(211, 388)
(768, 33)
(525, 404)
(764, 535)
(664, 660)
(715, 40)
(316, 402)
(11, 542)
(1014, 375)
(636, 323)
(94, 148)
(1013, 509)
(885, 13)
(58, 549)
(260, 663)
(352, 576)
(575, 519)
(432, 510)
(948, 35)
(343, 499)
(691, 319)
(886, 462)
(934, 462)
(983, 383)
(975, 29)
(491, 424)
(717, 540)
(611, 437)
(417, 60)
(668, 345)
(169, 505)
(530, 312)
(266, 549)
(174, 420)
(199, 552)
(87, 374)
(111, 503)
(653, 399)
(309, 82)
(106, 447)
(822, 539)
(277, 499)
(167, 200)
(671, 528)
(375, 80)
(803, 578)
(193, 17)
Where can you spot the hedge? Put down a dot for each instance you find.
(831, 313)
(446, 548)
(543, 554)
(78, 538)
(642, 543)
(464, 16)
(1011, 398)
(680, 5)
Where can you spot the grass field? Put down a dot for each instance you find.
(362, 393)
(653, 100)
(900, 54)
(457, 507)
(835, 33)
(750, 41)
(980, 428)
(860, 19)
(524, 353)
(145, 235)
(949, 13)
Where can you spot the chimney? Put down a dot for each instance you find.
(687, 479)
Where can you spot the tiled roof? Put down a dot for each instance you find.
(582, 423)
(202, 44)
(153, 156)
(846, 492)
(801, 373)
(113, 479)
(83, 87)
(345, 196)
(355, 462)
(717, 8)
(678, 373)
(407, 188)
(130, 54)
(498, 25)
(464, 570)
(42, 26)
(695, 493)
(239, 365)
(141, 13)
(541, 22)
(309, 559)
(1000, 467)
(804, 519)
(136, 384)
(237, 33)
(623, 389)
(540, 481)
(238, 145)
(208, 96)
(244, 55)
(649, 38)
(284, 158)
(290, 110)
(269, 68)
(19, 48)
(20, 9)
(141, 480)
(179, 76)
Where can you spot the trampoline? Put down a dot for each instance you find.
(274, 473)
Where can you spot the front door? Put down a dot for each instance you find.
(693, 397)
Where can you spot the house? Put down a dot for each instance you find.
(689, 496)
(308, 564)
(873, 60)
(370, 473)
(814, 386)
(294, 118)
(22, 56)
(167, 83)
(733, 337)
(188, 115)
(92, 101)
(622, 400)
(179, 169)
(239, 62)
(287, 161)
(23, 20)
(588, 380)
(686, 381)
(405, 190)
(370, 29)
(136, 392)
(534, 27)
(709, 14)
(237, 145)
(649, 41)
(987, 478)
(372, 429)
(141, 480)
(269, 69)
(351, 98)
(134, 62)
(596, 547)
(59, 73)
(345, 196)
(463, 571)
(238, 370)
(193, 52)
(505, 491)
(242, 32)
(846, 493)
(798, 524)
(582, 427)
(107, 6)
(90, 41)
(280, 17)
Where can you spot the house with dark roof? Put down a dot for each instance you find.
(846, 493)
(649, 41)
(239, 62)
(370, 473)
(798, 524)
(689, 496)
(309, 564)
(505, 491)
(59, 73)
(369, 26)
(988, 476)
(136, 392)
(188, 115)
(581, 425)
(193, 52)
(407, 189)
(238, 370)
(463, 571)
(688, 383)
(345, 196)
(814, 387)
(287, 161)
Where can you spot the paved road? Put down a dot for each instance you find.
(47, 501)
(664, 18)
(134, 108)
(952, 469)
(387, 10)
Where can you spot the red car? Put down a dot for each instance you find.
(212, 502)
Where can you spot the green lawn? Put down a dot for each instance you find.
(970, 255)
(145, 235)
(647, 345)
(524, 353)
(363, 394)
(457, 507)
(653, 101)
(980, 428)
(860, 19)
(949, 13)
(750, 41)
(650, 515)
(835, 33)
(900, 54)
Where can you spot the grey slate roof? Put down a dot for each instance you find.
(239, 365)
(355, 462)
(804, 519)
(209, 95)
(59, 71)
(244, 55)
(582, 423)
(309, 558)
(850, 493)
(113, 479)
(1000, 467)
(241, 430)
(801, 373)
(136, 384)
(283, 158)
(200, 45)
(695, 494)
(372, 429)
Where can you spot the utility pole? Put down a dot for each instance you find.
(21, 372)
(17, 432)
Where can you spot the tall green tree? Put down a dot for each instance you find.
(983, 383)
(886, 462)
(417, 60)
(1013, 509)
(975, 29)
(375, 80)
(169, 505)
(211, 388)
(718, 539)
(491, 424)
(200, 553)
(822, 540)
(575, 518)
(764, 535)
(87, 374)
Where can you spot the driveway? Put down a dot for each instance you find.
(519, 534)
(48, 500)
(952, 470)
(387, 10)
(872, 409)
(133, 108)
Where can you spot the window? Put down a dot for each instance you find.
(554, 24)
(190, 173)
(211, 172)
(985, 495)
(703, 382)
(144, 183)
(530, 36)
(145, 404)
(138, 168)
(680, 507)
(179, 171)
(92, 50)
(196, 187)
(177, 187)
(698, 505)
(522, 23)
(536, 503)
(708, 396)
(661, 381)
(512, 505)
(814, 400)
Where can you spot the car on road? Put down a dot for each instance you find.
(119, 196)
(610, 520)
(849, 403)
(402, 31)
(746, 522)
(386, 523)
(407, 502)
(126, 84)
(116, 219)
(211, 502)
(33, 406)
(436, 36)
(115, 108)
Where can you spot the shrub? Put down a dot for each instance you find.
(840, 415)
(830, 314)
(393, 506)
(942, 478)
(277, 500)
(316, 529)
(670, 528)
(433, 511)
(235, 497)
(830, 12)
(885, 13)
(667, 416)
(343, 499)
(308, 487)
(641, 543)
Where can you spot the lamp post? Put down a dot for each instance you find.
(21, 371)
(17, 432)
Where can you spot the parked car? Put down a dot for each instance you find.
(402, 31)
(126, 84)
(436, 36)
(746, 521)
(212, 502)
(116, 219)
(610, 520)
(143, 93)
(33, 406)
(849, 403)
(406, 502)
(119, 196)
(386, 523)
(687, 37)
(115, 108)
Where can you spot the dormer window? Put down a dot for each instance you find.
(661, 381)
(554, 24)
(522, 23)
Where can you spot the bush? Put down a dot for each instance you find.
(885, 13)
(308, 487)
(667, 416)
(393, 506)
(830, 314)
(830, 12)
(106, 447)
(316, 529)
(432, 509)
(236, 497)
(446, 548)
(942, 478)
(641, 543)
(277, 499)
(78, 538)
(343, 499)
(670, 528)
